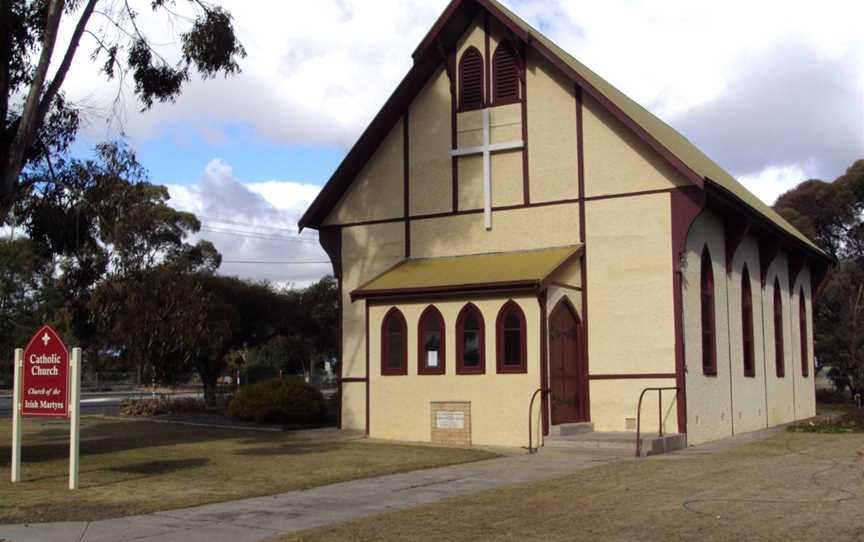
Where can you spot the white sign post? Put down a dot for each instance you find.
(47, 385)
(75, 416)
(16, 416)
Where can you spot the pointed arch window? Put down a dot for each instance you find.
(802, 319)
(709, 339)
(510, 332)
(471, 80)
(430, 333)
(779, 362)
(394, 344)
(747, 324)
(470, 341)
(505, 75)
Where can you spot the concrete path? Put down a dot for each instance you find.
(263, 517)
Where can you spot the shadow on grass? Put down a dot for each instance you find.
(110, 436)
(292, 449)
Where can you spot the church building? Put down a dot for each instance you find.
(518, 244)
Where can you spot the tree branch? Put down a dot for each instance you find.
(30, 121)
(60, 76)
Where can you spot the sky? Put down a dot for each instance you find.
(771, 90)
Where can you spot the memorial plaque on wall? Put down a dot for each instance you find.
(451, 423)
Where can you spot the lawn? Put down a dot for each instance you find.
(793, 486)
(133, 467)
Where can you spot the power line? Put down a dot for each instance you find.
(286, 262)
(256, 235)
(247, 224)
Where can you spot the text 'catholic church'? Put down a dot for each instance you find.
(510, 222)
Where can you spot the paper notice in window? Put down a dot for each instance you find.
(432, 358)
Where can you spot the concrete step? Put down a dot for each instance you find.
(652, 444)
(565, 429)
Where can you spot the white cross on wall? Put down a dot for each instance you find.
(46, 338)
(486, 149)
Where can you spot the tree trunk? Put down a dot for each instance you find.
(209, 391)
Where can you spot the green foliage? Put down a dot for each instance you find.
(289, 401)
(832, 214)
(832, 396)
(847, 423)
(36, 123)
(310, 337)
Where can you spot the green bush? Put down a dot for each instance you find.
(278, 401)
(832, 396)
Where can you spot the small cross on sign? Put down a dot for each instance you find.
(45, 339)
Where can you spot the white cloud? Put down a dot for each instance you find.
(255, 222)
(770, 183)
(318, 71)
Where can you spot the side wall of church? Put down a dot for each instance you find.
(730, 402)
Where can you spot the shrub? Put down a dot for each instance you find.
(278, 401)
(832, 396)
(161, 406)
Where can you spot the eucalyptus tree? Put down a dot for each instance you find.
(38, 122)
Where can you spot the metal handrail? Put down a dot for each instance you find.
(659, 414)
(541, 391)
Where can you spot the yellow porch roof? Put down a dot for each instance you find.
(501, 271)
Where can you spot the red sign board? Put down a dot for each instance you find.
(45, 382)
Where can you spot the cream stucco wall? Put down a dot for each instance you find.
(505, 123)
(748, 393)
(630, 311)
(781, 399)
(805, 392)
(429, 142)
(708, 397)
(366, 252)
(730, 403)
(400, 405)
(376, 192)
(517, 229)
(616, 160)
(552, 149)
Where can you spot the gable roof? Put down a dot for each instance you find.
(674, 147)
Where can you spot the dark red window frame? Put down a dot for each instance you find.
(506, 75)
(709, 327)
(779, 362)
(430, 313)
(386, 370)
(471, 84)
(461, 369)
(802, 319)
(500, 339)
(747, 324)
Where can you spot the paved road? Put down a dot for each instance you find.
(104, 403)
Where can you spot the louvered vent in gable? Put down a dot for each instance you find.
(471, 80)
(505, 75)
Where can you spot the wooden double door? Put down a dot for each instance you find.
(568, 375)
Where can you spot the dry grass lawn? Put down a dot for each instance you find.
(133, 467)
(792, 486)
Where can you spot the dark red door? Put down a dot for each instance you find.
(565, 367)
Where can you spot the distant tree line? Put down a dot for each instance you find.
(95, 250)
(832, 214)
